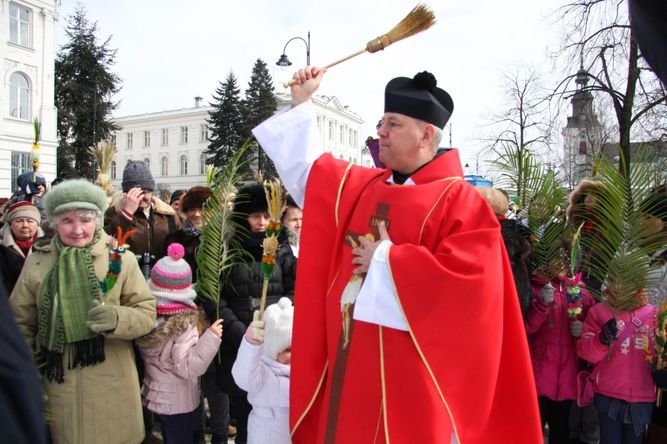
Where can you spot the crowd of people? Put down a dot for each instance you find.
(414, 316)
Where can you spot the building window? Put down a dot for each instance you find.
(203, 133)
(19, 24)
(164, 171)
(20, 164)
(355, 138)
(202, 163)
(165, 136)
(130, 138)
(147, 139)
(113, 169)
(351, 138)
(184, 165)
(184, 135)
(583, 148)
(331, 130)
(147, 161)
(319, 123)
(19, 96)
(341, 134)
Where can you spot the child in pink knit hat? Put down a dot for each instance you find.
(174, 354)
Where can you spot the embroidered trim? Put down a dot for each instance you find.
(312, 401)
(421, 230)
(384, 388)
(340, 190)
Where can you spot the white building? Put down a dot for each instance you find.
(174, 142)
(27, 51)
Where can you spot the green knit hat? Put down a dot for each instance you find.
(77, 194)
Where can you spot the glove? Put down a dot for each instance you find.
(576, 328)
(547, 294)
(255, 332)
(609, 332)
(101, 317)
(660, 378)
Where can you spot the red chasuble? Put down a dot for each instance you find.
(463, 367)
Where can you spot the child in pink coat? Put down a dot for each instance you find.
(174, 354)
(619, 344)
(553, 326)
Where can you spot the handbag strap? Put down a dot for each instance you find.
(641, 316)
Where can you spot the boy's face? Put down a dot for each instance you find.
(285, 356)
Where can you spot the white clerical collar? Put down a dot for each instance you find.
(408, 181)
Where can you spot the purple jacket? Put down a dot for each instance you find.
(552, 346)
(173, 364)
(627, 375)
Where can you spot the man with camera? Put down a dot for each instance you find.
(140, 210)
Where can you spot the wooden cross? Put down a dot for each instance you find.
(381, 214)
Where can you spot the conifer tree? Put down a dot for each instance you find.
(84, 87)
(259, 104)
(225, 122)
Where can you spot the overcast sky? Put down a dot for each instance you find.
(170, 51)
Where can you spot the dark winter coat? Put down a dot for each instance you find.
(11, 264)
(240, 297)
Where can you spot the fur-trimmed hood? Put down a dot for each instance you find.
(171, 327)
(576, 200)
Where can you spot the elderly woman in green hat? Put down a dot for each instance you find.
(81, 325)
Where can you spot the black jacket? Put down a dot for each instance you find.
(241, 291)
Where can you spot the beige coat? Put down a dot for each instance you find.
(98, 404)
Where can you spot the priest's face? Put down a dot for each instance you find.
(405, 143)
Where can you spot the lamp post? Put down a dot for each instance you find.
(284, 61)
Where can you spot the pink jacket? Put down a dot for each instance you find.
(627, 375)
(552, 346)
(171, 384)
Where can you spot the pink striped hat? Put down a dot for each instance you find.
(171, 283)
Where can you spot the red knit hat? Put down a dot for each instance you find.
(22, 209)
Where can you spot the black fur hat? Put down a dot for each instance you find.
(250, 199)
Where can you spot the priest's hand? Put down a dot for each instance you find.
(363, 254)
(305, 83)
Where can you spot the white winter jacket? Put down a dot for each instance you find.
(267, 383)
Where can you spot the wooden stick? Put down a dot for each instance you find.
(262, 301)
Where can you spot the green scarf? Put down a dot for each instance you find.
(67, 293)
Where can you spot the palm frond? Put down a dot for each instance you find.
(623, 245)
(547, 224)
(218, 250)
(519, 172)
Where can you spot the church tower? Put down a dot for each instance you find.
(582, 136)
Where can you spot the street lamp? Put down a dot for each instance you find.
(284, 61)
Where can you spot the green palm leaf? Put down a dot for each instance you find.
(622, 246)
(539, 190)
(218, 250)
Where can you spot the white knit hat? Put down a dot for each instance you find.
(278, 318)
(171, 283)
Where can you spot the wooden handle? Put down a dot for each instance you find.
(262, 301)
(341, 60)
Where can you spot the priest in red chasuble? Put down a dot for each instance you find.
(407, 326)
